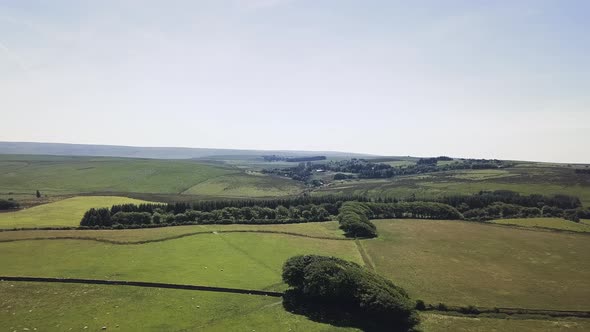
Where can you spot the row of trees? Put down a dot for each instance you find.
(414, 210)
(486, 198)
(354, 217)
(368, 169)
(333, 202)
(330, 202)
(127, 215)
(432, 161)
(582, 171)
(333, 290)
(502, 211)
(353, 212)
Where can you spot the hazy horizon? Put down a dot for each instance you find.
(475, 79)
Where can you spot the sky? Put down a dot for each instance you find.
(483, 79)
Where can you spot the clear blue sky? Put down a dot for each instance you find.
(492, 79)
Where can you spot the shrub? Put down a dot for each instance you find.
(420, 305)
(571, 215)
(469, 310)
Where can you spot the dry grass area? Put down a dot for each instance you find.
(439, 323)
(462, 263)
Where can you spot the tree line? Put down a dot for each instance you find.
(366, 169)
(501, 204)
(332, 202)
(126, 216)
(353, 212)
(485, 198)
(433, 161)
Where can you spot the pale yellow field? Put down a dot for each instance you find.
(64, 213)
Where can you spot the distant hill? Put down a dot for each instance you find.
(63, 149)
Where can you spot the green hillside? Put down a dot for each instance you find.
(21, 176)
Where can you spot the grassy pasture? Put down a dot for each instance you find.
(61, 307)
(438, 323)
(65, 306)
(240, 260)
(553, 223)
(328, 229)
(462, 263)
(458, 263)
(21, 176)
(69, 175)
(400, 163)
(483, 174)
(67, 212)
(246, 186)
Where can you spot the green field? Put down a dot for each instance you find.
(61, 307)
(240, 260)
(56, 307)
(526, 179)
(458, 263)
(64, 213)
(526, 263)
(59, 176)
(53, 175)
(246, 186)
(463, 263)
(443, 323)
(313, 229)
(547, 223)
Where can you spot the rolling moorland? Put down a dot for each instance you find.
(524, 270)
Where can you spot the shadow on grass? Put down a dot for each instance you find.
(339, 314)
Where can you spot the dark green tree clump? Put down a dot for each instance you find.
(8, 204)
(499, 204)
(354, 220)
(342, 176)
(353, 212)
(339, 292)
(146, 215)
(486, 198)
